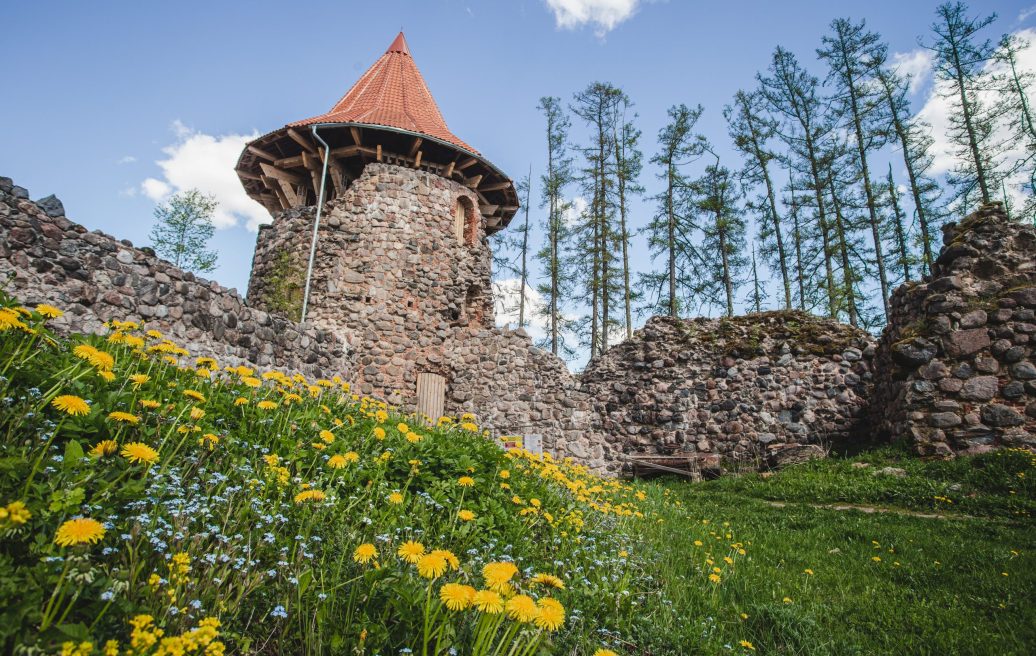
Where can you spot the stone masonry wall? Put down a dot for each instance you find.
(756, 390)
(390, 278)
(45, 258)
(955, 362)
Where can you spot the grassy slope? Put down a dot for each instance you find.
(939, 588)
(279, 574)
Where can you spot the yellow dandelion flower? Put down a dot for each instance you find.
(251, 381)
(498, 574)
(413, 437)
(197, 413)
(365, 553)
(209, 439)
(504, 474)
(266, 405)
(240, 401)
(605, 652)
(337, 461)
(465, 515)
(551, 615)
(431, 566)
(124, 417)
(403, 428)
(549, 580)
(379, 433)
(194, 394)
(49, 311)
(149, 404)
(71, 405)
(456, 596)
(522, 608)
(309, 495)
(465, 481)
(411, 551)
(395, 498)
(327, 436)
(808, 571)
(351, 456)
(108, 376)
(715, 578)
(15, 513)
(488, 602)
(81, 530)
(9, 319)
(787, 600)
(104, 448)
(139, 452)
(139, 379)
(747, 645)
(451, 559)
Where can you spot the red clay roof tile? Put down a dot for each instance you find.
(392, 93)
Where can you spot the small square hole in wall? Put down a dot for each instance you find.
(410, 304)
(367, 300)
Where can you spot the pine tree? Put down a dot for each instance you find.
(183, 230)
(670, 230)
(1015, 87)
(903, 257)
(961, 56)
(855, 56)
(751, 129)
(556, 283)
(757, 294)
(914, 137)
(720, 257)
(596, 232)
(511, 255)
(629, 162)
(793, 94)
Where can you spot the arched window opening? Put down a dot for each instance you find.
(465, 221)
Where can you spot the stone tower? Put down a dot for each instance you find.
(402, 259)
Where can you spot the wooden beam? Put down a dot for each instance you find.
(508, 208)
(246, 175)
(261, 153)
(473, 182)
(449, 170)
(466, 163)
(417, 161)
(288, 162)
(338, 177)
(278, 174)
(289, 193)
(301, 140)
(379, 153)
(417, 144)
(496, 186)
(357, 135)
(488, 209)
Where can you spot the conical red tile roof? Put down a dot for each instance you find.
(392, 93)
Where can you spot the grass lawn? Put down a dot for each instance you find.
(821, 581)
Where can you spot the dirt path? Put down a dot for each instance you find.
(868, 509)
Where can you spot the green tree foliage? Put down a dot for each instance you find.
(961, 56)
(670, 232)
(183, 229)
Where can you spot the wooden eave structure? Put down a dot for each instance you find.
(282, 169)
(388, 116)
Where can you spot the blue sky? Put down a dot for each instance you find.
(96, 94)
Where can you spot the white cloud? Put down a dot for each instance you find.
(603, 15)
(505, 304)
(1024, 14)
(917, 64)
(574, 210)
(939, 105)
(206, 162)
(126, 159)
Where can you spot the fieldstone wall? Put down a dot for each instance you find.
(46, 258)
(390, 279)
(955, 363)
(757, 390)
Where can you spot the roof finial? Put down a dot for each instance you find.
(399, 45)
